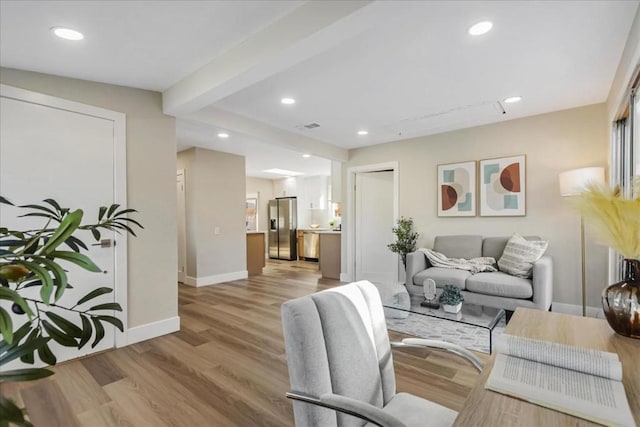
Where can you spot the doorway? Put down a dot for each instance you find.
(75, 155)
(373, 209)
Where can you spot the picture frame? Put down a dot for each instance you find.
(457, 189)
(502, 184)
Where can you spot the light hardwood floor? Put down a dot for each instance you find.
(226, 367)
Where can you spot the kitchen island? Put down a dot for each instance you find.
(330, 254)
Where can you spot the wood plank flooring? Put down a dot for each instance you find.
(226, 367)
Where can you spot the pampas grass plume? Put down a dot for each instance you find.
(615, 218)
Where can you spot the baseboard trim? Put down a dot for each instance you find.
(216, 278)
(153, 330)
(576, 310)
(344, 277)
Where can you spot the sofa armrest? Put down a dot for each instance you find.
(543, 283)
(416, 262)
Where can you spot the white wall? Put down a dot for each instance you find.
(264, 189)
(151, 166)
(216, 233)
(552, 142)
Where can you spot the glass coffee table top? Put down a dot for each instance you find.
(471, 314)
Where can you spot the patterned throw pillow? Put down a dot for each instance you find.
(520, 254)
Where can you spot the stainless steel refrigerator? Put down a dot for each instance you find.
(283, 219)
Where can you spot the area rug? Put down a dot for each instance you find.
(467, 336)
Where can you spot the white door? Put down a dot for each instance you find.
(52, 152)
(182, 236)
(373, 223)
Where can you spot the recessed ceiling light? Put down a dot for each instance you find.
(363, 132)
(67, 33)
(512, 99)
(283, 172)
(481, 28)
(288, 101)
(306, 156)
(223, 135)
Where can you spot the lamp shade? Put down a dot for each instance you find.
(575, 181)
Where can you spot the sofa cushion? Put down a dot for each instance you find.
(500, 284)
(494, 246)
(459, 246)
(443, 276)
(520, 254)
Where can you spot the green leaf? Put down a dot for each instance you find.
(101, 212)
(93, 294)
(53, 203)
(131, 220)
(125, 211)
(12, 242)
(99, 332)
(59, 336)
(78, 259)
(10, 413)
(67, 226)
(68, 327)
(52, 213)
(46, 355)
(113, 320)
(5, 201)
(19, 334)
(11, 295)
(96, 234)
(27, 358)
(107, 306)
(29, 374)
(58, 273)
(77, 242)
(6, 326)
(43, 275)
(29, 346)
(112, 209)
(86, 331)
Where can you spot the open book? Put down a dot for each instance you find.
(578, 381)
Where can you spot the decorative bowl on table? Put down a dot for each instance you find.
(314, 225)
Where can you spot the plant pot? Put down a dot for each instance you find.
(452, 308)
(621, 301)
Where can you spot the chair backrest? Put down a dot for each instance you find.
(337, 342)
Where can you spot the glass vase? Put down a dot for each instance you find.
(621, 301)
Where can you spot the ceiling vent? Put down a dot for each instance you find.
(311, 126)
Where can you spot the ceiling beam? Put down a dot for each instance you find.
(263, 132)
(314, 27)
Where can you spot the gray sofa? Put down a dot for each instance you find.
(497, 289)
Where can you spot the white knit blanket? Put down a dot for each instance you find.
(474, 265)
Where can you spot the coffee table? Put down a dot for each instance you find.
(471, 314)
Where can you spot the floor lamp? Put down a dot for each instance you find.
(573, 183)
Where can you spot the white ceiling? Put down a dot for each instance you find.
(398, 69)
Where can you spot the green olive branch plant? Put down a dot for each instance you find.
(31, 259)
(406, 238)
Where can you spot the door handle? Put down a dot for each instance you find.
(105, 243)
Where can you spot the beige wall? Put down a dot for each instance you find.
(215, 193)
(151, 165)
(552, 142)
(264, 188)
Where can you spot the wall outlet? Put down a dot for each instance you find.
(216, 230)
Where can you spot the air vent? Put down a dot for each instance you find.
(312, 125)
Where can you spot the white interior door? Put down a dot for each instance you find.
(52, 152)
(182, 236)
(373, 224)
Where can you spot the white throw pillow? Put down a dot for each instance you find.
(520, 254)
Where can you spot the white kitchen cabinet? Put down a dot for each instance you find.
(286, 187)
(316, 192)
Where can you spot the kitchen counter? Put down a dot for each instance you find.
(330, 254)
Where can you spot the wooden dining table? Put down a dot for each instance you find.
(488, 408)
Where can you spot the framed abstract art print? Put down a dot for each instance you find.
(457, 189)
(503, 186)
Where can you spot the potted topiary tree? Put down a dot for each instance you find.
(451, 299)
(405, 239)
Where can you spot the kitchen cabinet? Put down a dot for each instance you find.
(286, 187)
(316, 192)
(255, 253)
(330, 254)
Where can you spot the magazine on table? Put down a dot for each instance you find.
(578, 381)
